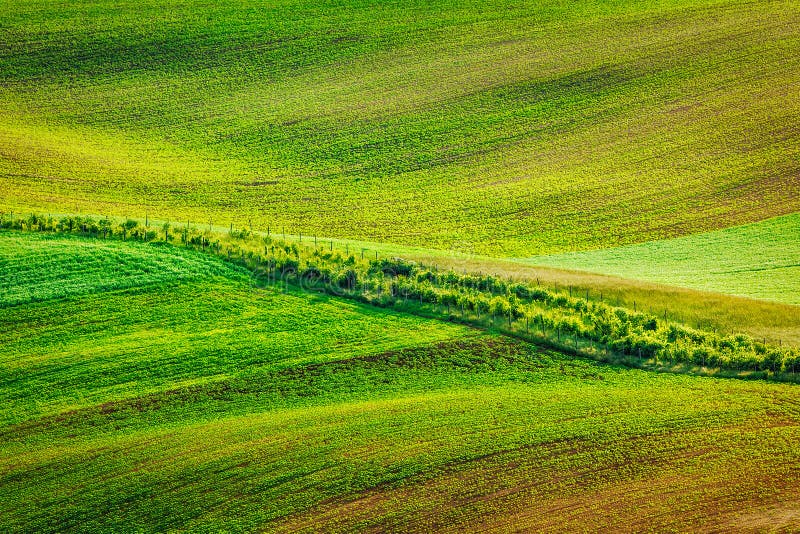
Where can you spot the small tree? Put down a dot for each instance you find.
(128, 226)
(105, 226)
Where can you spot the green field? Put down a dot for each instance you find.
(508, 130)
(75, 331)
(315, 266)
(192, 400)
(760, 260)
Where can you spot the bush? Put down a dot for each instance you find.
(288, 266)
(347, 279)
(394, 267)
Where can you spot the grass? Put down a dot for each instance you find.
(502, 130)
(150, 387)
(206, 404)
(760, 260)
(84, 332)
(772, 320)
(41, 268)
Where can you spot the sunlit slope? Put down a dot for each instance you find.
(83, 322)
(760, 260)
(517, 130)
(45, 267)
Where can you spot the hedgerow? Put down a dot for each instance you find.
(583, 326)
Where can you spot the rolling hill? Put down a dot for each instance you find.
(207, 404)
(416, 266)
(483, 127)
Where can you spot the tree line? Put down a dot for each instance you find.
(569, 323)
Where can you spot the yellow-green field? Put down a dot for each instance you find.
(509, 130)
